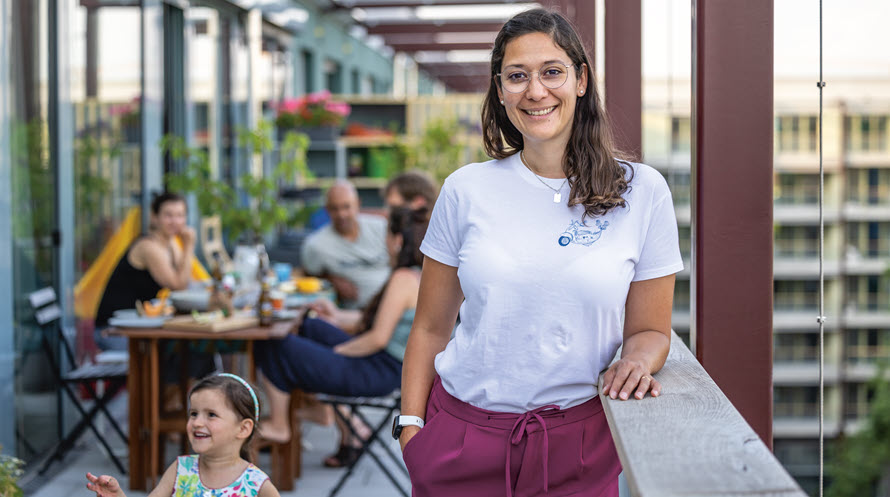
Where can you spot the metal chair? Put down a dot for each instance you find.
(47, 313)
(389, 405)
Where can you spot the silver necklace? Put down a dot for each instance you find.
(557, 196)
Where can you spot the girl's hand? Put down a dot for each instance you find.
(104, 486)
(626, 377)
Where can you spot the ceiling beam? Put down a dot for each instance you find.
(372, 4)
(431, 26)
(464, 84)
(438, 47)
(474, 69)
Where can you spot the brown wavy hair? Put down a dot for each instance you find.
(412, 225)
(596, 172)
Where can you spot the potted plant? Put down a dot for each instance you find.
(314, 114)
(10, 471)
(130, 119)
(254, 211)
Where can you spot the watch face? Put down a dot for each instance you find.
(396, 428)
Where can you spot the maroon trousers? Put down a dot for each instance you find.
(465, 451)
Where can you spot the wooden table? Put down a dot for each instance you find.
(143, 388)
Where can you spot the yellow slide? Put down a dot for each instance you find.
(88, 291)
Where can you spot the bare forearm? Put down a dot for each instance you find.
(348, 320)
(418, 371)
(650, 348)
(360, 346)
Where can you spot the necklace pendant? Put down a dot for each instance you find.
(557, 198)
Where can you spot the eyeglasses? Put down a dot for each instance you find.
(551, 76)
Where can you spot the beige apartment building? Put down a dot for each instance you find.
(856, 151)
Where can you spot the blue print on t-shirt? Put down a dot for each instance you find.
(575, 234)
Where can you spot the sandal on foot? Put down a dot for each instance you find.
(345, 457)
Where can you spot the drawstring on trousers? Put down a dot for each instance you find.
(520, 429)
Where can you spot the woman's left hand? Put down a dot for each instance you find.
(626, 377)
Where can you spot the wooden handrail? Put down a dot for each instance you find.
(690, 440)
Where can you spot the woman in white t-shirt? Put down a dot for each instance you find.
(554, 254)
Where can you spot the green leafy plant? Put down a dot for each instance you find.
(10, 472)
(444, 146)
(863, 459)
(259, 209)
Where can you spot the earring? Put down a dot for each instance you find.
(582, 92)
(502, 102)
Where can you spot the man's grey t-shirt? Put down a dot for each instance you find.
(365, 261)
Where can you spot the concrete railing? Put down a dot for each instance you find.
(691, 441)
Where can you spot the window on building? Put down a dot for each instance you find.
(858, 397)
(679, 183)
(869, 239)
(796, 295)
(796, 189)
(685, 235)
(796, 133)
(681, 134)
(868, 186)
(866, 133)
(796, 241)
(867, 346)
(795, 402)
(796, 347)
(681, 295)
(333, 76)
(869, 292)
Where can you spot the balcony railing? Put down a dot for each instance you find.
(691, 440)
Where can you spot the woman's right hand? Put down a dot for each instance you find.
(408, 432)
(188, 236)
(104, 486)
(325, 309)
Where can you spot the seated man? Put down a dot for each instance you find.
(350, 251)
(411, 189)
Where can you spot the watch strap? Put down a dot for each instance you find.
(410, 421)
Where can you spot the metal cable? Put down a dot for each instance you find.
(821, 318)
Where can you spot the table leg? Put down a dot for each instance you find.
(136, 401)
(154, 373)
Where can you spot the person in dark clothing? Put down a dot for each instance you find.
(152, 262)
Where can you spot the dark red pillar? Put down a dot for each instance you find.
(732, 205)
(624, 66)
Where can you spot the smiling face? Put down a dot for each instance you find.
(542, 115)
(171, 218)
(213, 426)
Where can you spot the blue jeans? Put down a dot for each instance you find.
(307, 361)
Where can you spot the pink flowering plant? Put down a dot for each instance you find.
(128, 113)
(312, 110)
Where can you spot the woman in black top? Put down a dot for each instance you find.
(152, 262)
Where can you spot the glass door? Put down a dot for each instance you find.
(34, 225)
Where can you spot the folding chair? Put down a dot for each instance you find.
(47, 314)
(389, 405)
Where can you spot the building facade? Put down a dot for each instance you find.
(856, 155)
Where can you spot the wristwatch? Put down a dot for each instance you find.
(400, 422)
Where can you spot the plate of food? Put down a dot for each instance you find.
(138, 321)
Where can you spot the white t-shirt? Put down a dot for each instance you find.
(545, 295)
(365, 261)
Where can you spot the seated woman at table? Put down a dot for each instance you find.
(349, 352)
(153, 261)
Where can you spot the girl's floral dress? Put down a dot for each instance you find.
(188, 481)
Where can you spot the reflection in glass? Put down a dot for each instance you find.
(33, 224)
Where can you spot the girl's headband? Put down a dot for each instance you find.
(256, 403)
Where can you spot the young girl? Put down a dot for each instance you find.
(223, 413)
